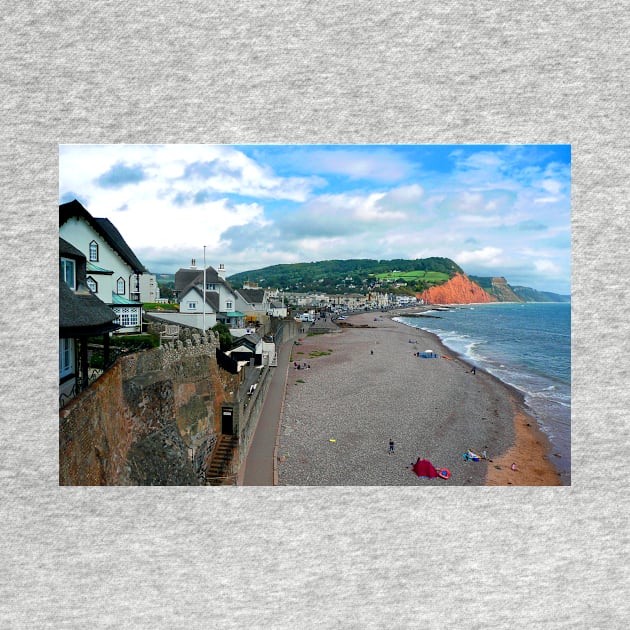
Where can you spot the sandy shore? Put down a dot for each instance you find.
(365, 387)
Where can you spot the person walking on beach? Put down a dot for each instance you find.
(391, 446)
(474, 370)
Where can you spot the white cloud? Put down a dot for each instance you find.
(486, 255)
(374, 163)
(546, 266)
(552, 186)
(405, 194)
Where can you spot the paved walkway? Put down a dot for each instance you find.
(258, 467)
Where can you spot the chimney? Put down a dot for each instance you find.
(221, 271)
(193, 264)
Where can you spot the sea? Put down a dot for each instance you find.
(527, 346)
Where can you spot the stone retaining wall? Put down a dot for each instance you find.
(151, 419)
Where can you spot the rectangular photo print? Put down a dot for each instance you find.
(315, 315)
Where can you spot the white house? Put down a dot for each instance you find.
(191, 307)
(220, 296)
(82, 316)
(277, 309)
(113, 272)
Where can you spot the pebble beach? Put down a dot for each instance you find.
(364, 386)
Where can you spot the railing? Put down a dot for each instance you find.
(78, 386)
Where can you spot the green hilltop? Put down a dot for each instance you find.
(355, 275)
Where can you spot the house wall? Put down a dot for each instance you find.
(225, 296)
(149, 290)
(80, 234)
(145, 419)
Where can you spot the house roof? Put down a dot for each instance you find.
(81, 313)
(122, 300)
(253, 296)
(187, 276)
(105, 228)
(68, 250)
(92, 268)
(251, 341)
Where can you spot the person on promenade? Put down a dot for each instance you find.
(474, 370)
(391, 446)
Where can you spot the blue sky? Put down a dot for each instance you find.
(496, 210)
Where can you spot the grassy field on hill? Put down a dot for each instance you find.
(431, 277)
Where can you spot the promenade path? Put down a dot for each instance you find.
(258, 467)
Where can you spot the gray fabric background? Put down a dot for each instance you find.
(300, 72)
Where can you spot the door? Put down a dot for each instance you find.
(227, 420)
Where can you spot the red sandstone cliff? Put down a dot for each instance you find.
(458, 290)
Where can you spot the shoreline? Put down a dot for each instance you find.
(531, 444)
(365, 386)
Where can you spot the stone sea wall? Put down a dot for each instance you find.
(153, 419)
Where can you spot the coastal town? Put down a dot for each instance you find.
(198, 389)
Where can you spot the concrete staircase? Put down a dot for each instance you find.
(219, 471)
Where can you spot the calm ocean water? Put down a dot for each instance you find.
(527, 346)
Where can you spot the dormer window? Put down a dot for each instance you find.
(92, 284)
(68, 272)
(93, 251)
(120, 286)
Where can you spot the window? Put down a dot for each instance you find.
(92, 284)
(120, 286)
(127, 315)
(228, 305)
(66, 357)
(192, 306)
(68, 272)
(93, 251)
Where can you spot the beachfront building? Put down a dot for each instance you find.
(278, 309)
(221, 298)
(81, 316)
(113, 272)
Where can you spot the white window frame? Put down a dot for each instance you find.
(192, 306)
(229, 305)
(66, 357)
(69, 272)
(128, 316)
(120, 282)
(90, 281)
(93, 251)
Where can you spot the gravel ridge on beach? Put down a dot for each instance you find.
(365, 387)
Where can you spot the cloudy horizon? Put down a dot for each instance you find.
(496, 210)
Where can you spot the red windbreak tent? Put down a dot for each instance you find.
(424, 468)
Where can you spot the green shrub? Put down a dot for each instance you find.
(225, 336)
